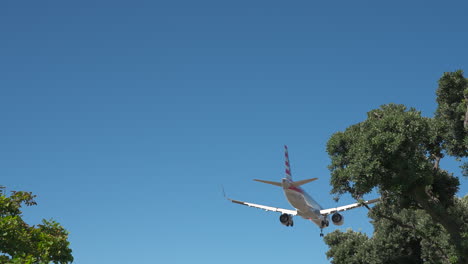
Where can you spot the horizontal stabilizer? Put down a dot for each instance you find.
(299, 183)
(270, 182)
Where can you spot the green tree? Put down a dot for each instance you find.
(22, 243)
(396, 151)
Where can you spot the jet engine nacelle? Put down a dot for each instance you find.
(286, 220)
(337, 219)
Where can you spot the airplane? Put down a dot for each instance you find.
(305, 205)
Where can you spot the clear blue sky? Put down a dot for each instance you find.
(125, 117)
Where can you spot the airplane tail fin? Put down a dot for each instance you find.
(286, 162)
(288, 174)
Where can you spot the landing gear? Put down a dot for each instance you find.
(324, 224)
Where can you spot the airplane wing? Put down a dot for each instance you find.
(264, 207)
(326, 212)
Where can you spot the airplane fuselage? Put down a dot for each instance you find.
(306, 206)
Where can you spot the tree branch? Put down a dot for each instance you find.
(411, 227)
(465, 122)
(436, 161)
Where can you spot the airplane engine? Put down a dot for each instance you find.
(286, 220)
(337, 219)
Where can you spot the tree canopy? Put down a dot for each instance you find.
(22, 243)
(396, 151)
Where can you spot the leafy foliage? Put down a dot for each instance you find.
(346, 247)
(396, 151)
(22, 243)
(452, 99)
(410, 236)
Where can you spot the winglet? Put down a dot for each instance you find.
(224, 194)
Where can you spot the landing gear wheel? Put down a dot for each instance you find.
(324, 224)
(321, 232)
(292, 223)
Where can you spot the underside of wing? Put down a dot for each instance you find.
(346, 207)
(266, 208)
